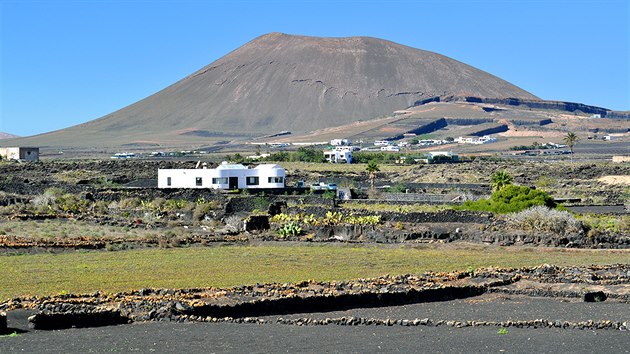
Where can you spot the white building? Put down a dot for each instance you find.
(475, 140)
(338, 155)
(390, 148)
(381, 143)
(442, 156)
(226, 176)
(20, 153)
(339, 142)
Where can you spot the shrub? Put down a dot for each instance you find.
(203, 209)
(234, 222)
(261, 203)
(598, 224)
(543, 219)
(158, 204)
(290, 229)
(329, 195)
(397, 188)
(179, 204)
(624, 224)
(309, 154)
(72, 203)
(100, 208)
(510, 199)
(43, 203)
(130, 203)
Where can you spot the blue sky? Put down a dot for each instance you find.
(67, 62)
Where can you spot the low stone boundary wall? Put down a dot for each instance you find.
(428, 322)
(76, 318)
(549, 240)
(3, 321)
(250, 202)
(297, 304)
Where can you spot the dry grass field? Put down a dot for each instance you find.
(224, 266)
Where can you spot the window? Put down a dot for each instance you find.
(168, 181)
(276, 179)
(198, 181)
(221, 180)
(251, 181)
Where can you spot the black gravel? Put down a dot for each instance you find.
(490, 307)
(250, 338)
(272, 337)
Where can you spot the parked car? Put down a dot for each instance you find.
(324, 186)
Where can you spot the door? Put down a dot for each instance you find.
(233, 183)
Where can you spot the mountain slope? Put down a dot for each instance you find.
(7, 136)
(282, 82)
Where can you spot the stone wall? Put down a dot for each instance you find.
(75, 316)
(247, 203)
(3, 322)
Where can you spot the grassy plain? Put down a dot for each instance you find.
(224, 266)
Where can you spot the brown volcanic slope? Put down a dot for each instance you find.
(282, 82)
(7, 136)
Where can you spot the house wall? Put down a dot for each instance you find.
(20, 153)
(338, 156)
(187, 178)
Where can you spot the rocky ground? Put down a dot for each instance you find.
(108, 184)
(560, 178)
(541, 302)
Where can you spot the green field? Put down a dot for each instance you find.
(223, 266)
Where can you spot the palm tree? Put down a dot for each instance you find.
(571, 139)
(500, 179)
(371, 169)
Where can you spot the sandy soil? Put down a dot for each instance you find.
(531, 133)
(615, 180)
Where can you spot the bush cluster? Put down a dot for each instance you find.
(510, 199)
(543, 219)
(606, 223)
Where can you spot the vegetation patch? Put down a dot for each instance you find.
(542, 219)
(79, 272)
(510, 199)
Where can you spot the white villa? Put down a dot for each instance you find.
(475, 140)
(338, 156)
(225, 176)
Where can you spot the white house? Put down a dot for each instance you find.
(390, 148)
(339, 142)
(338, 155)
(225, 176)
(475, 140)
(20, 153)
(381, 143)
(443, 156)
